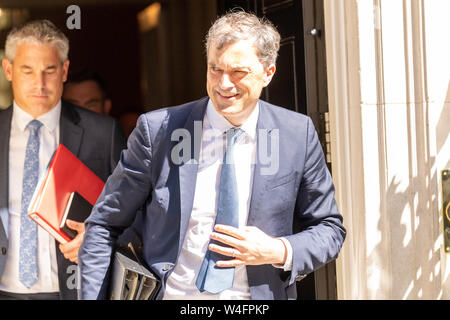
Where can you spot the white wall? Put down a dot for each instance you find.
(389, 91)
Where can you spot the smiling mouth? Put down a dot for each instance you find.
(228, 97)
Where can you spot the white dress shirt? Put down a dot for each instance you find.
(46, 248)
(181, 282)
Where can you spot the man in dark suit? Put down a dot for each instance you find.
(221, 179)
(32, 264)
(87, 89)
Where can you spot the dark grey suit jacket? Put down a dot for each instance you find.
(147, 175)
(95, 139)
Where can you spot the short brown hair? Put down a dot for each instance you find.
(240, 25)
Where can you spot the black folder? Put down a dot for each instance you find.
(77, 209)
(131, 279)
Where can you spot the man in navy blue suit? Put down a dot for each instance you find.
(220, 180)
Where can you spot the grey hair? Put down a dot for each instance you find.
(240, 25)
(38, 31)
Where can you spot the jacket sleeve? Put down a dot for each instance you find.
(125, 191)
(322, 232)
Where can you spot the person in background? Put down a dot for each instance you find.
(217, 215)
(32, 264)
(87, 89)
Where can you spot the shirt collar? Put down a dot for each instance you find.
(49, 119)
(218, 122)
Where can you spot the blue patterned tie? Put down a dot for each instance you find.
(28, 273)
(210, 277)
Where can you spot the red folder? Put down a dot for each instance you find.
(65, 174)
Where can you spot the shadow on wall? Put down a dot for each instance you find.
(408, 235)
(413, 238)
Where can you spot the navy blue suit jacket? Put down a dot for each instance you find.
(147, 176)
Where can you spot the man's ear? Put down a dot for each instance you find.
(270, 71)
(7, 68)
(65, 70)
(107, 106)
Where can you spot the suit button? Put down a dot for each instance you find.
(167, 267)
(3, 250)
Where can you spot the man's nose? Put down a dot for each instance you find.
(40, 80)
(225, 81)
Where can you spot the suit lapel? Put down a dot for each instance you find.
(70, 132)
(5, 130)
(265, 126)
(260, 180)
(188, 170)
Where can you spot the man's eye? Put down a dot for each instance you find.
(93, 105)
(240, 73)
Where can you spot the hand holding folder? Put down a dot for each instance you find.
(67, 189)
(70, 249)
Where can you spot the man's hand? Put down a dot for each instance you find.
(249, 246)
(70, 249)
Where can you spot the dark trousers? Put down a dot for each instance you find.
(31, 296)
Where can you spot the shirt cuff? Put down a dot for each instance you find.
(287, 266)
